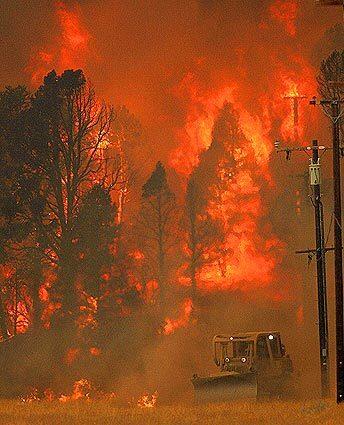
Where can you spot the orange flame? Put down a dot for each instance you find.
(137, 255)
(147, 401)
(171, 325)
(71, 355)
(251, 251)
(95, 351)
(23, 315)
(285, 12)
(202, 110)
(31, 397)
(296, 84)
(70, 48)
(81, 389)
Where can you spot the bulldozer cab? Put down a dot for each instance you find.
(269, 346)
(248, 349)
(233, 350)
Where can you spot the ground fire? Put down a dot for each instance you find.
(144, 208)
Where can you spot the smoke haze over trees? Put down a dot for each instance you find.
(130, 231)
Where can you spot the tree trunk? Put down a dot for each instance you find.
(193, 259)
(66, 285)
(161, 259)
(36, 283)
(3, 319)
(192, 241)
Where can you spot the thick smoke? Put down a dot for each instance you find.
(174, 64)
(140, 51)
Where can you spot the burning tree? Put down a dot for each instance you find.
(18, 202)
(203, 232)
(156, 230)
(54, 137)
(69, 127)
(95, 232)
(231, 184)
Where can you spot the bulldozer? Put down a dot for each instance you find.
(251, 365)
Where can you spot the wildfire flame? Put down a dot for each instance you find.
(253, 250)
(81, 389)
(71, 355)
(171, 325)
(84, 390)
(285, 12)
(202, 110)
(31, 397)
(70, 48)
(148, 401)
(250, 251)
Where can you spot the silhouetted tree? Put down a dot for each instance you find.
(331, 73)
(203, 232)
(157, 226)
(69, 126)
(331, 81)
(54, 149)
(95, 233)
(18, 187)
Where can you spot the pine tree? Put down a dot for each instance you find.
(95, 232)
(157, 226)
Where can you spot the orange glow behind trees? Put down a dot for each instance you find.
(71, 47)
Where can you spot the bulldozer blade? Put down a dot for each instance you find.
(225, 387)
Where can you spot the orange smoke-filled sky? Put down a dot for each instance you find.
(139, 53)
(174, 64)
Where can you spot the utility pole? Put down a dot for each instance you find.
(338, 264)
(321, 270)
(320, 251)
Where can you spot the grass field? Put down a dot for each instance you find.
(105, 412)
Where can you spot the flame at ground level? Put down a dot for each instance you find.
(147, 401)
(84, 390)
(171, 325)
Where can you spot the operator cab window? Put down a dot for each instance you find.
(262, 348)
(241, 349)
(275, 346)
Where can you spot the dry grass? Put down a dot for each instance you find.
(105, 412)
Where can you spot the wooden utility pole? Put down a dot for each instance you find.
(335, 105)
(315, 178)
(338, 266)
(320, 251)
(338, 262)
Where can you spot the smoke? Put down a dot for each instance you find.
(140, 51)
(174, 64)
(69, 49)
